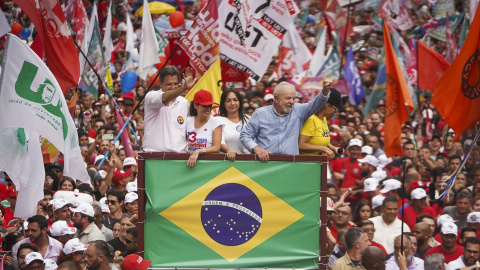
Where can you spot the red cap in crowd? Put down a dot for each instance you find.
(134, 262)
(334, 135)
(119, 175)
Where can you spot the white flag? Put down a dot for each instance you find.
(31, 98)
(132, 58)
(318, 56)
(107, 39)
(22, 160)
(148, 45)
(4, 26)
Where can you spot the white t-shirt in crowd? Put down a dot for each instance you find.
(164, 124)
(457, 264)
(231, 134)
(198, 138)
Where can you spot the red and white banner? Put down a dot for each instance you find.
(200, 42)
(294, 56)
(250, 49)
(52, 27)
(396, 14)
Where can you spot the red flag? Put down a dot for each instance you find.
(127, 146)
(397, 95)
(201, 42)
(431, 66)
(79, 20)
(37, 47)
(457, 94)
(60, 51)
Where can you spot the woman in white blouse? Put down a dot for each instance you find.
(204, 133)
(234, 120)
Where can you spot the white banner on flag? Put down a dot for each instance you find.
(265, 28)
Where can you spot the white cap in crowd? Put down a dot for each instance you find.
(355, 142)
(33, 256)
(377, 201)
(131, 197)
(418, 194)
(384, 161)
(129, 161)
(367, 150)
(103, 205)
(98, 158)
(60, 228)
(379, 174)
(59, 203)
(131, 186)
(449, 228)
(473, 217)
(390, 184)
(444, 219)
(85, 209)
(372, 160)
(370, 184)
(74, 245)
(50, 264)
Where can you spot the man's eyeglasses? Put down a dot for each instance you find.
(472, 252)
(56, 170)
(368, 230)
(110, 202)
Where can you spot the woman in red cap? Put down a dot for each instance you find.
(204, 132)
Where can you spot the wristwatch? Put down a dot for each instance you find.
(204, 151)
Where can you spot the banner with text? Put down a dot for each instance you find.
(250, 30)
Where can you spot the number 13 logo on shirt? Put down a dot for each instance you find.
(192, 136)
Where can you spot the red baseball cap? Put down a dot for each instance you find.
(203, 97)
(119, 175)
(334, 135)
(134, 262)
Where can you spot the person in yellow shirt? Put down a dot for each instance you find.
(314, 138)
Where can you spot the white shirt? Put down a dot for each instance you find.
(231, 134)
(164, 124)
(385, 234)
(458, 263)
(198, 138)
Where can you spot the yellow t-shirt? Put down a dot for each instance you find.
(318, 131)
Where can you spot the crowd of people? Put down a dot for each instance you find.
(93, 225)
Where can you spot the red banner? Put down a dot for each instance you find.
(60, 51)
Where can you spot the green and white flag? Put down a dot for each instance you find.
(89, 80)
(31, 98)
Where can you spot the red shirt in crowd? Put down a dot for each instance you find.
(448, 256)
(410, 214)
(8, 217)
(375, 244)
(351, 171)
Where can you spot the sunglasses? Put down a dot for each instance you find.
(110, 202)
(57, 170)
(130, 241)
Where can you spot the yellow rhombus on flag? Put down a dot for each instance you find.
(210, 81)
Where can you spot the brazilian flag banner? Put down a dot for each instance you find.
(222, 214)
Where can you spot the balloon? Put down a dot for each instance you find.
(176, 19)
(129, 78)
(204, 2)
(163, 58)
(26, 33)
(16, 29)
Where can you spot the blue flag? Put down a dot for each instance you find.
(350, 72)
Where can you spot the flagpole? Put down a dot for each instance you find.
(139, 102)
(104, 86)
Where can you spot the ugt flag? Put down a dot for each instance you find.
(31, 98)
(234, 215)
(353, 78)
